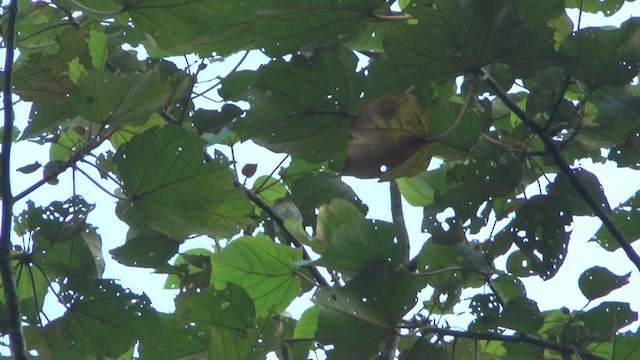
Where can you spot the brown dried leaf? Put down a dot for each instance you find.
(389, 139)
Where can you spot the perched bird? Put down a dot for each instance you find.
(291, 218)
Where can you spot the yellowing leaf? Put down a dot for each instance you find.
(389, 139)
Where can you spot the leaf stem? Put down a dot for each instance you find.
(12, 302)
(562, 164)
(458, 120)
(97, 12)
(397, 214)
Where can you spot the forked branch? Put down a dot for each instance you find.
(562, 164)
(12, 303)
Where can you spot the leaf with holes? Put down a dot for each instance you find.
(597, 282)
(358, 317)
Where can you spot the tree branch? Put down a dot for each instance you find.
(18, 346)
(85, 150)
(519, 338)
(292, 239)
(397, 214)
(557, 158)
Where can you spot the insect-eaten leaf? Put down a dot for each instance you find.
(389, 139)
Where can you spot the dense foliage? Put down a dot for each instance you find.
(368, 88)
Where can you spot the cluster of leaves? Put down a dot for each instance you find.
(367, 88)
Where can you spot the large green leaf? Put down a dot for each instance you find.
(177, 27)
(102, 320)
(45, 77)
(564, 191)
(521, 314)
(604, 320)
(358, 317)
(264, 269)
(626, 217)
(283, 27)
(604, 56)
(120, 100)
(301, 106)
(172, 338)
(265, 336)
(167, 181)
(352, 244)
(230, 308)
(145, 248)
(449, 38)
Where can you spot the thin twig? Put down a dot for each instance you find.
(397, 214)
(458, 119)
(391, 345)
(292, 239)
(391, 17)
(235, 68)
(518, 338)
(85, 150)
(97, 184)
(97, 12)
(266, 180)
(562, 164)
(14, 321)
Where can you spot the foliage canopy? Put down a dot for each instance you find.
(368, 88)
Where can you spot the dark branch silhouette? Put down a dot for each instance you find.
(564, 167)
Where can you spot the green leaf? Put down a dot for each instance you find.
(626, 217)
(314, 190)
(173, 339)
(146, 248)
(331, 217)
(254, 345)
(66, 146)
(521, 314)
(269, 189)
(175, 27)
(98, 49)
(120, 100)
(445, 39)
(168, 183)
(464, 136)
(416, 189)
(597, 281)
(604, 56)
(307, 325)
(539, 231)
(42, 79)
(296, 107)
(351, 245)
(264, 269)
(230, 308)
(564, 191)
(284, 27)
(102, 320)
(215, 120)
(45, 77)
(358, 317)
(604, 320)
